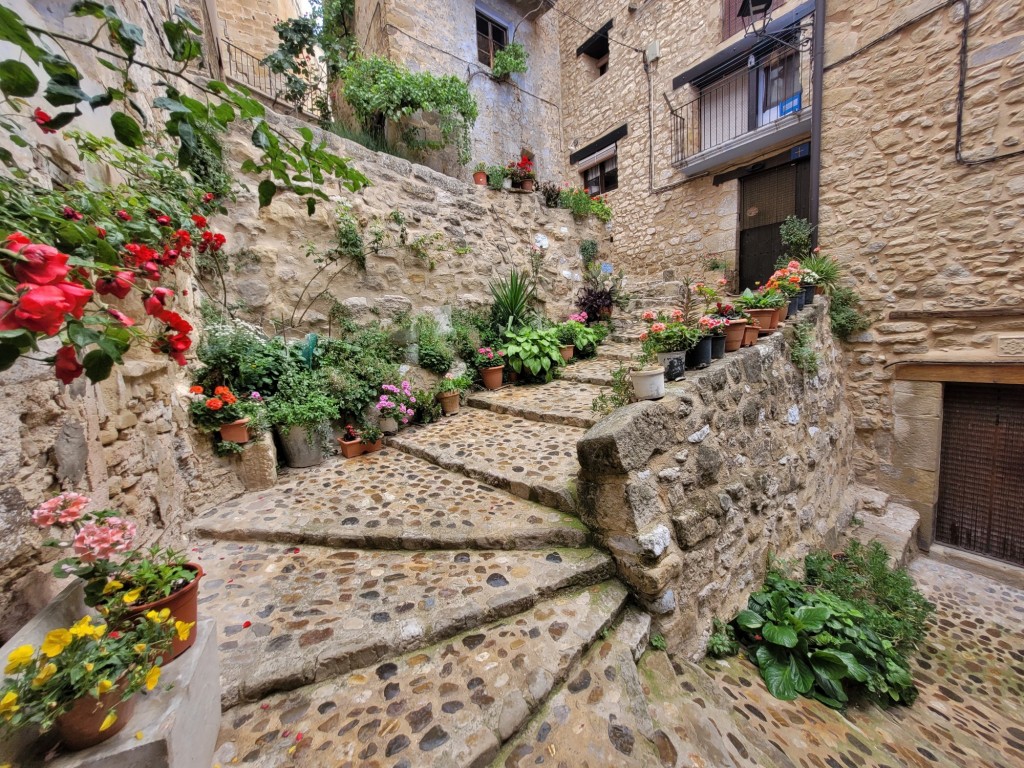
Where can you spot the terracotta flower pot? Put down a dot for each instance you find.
(528, 185)
(236, 431)
(777, 317)
(374, 446)
(350, 448)
(79, 727)
(763, 317)
(750, 335)
(183, 605)
(449, 402)
(480, 178)
(567, 351)
(734, 335)
(492, 376)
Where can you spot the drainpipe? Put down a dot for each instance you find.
(817, 84)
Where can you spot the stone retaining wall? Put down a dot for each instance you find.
(693, 493)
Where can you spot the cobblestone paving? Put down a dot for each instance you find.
(389, 500)
(532, 460)
(970, 673)
(597, 371)
(560, 402)
(291, 616)
(617, 350)
(447, 705)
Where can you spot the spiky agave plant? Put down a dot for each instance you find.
(513, 299)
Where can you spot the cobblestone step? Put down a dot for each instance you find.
(290, 616)
(533, 460)
(389, 500)
(446, 706)
(599, 717)
(597, 371)
(617, 350)
(560, 402)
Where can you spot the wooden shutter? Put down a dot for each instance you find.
(731, 23)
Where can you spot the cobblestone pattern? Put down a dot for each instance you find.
(532, 460)
(970, 672)
(291, 616)
(448, 705)
(389, 500)
(560, 402)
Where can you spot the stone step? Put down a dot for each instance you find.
(597, 371)
(599, 717)
(617, 350)
(447, 706)
(533, 460)
(560, 402)
(290, 616)
(895, 529)
(389, 500)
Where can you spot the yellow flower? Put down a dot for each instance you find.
(88, 666)
(184, 630)
(9, 705)
(19, 658)
(138, 735)
(109, 720)
(48, 671)
(152, 678)
(139, 647)
(55, 642)
(133, 596)
(159, 618)
(98, 630)
(104, 686)
(112, 586)
(82, 627)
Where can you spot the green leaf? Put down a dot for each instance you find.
(81, 336)
(811, 618)
(183, 45)
(98, 365)
(126, 130)
(62, 94)
(109, 65)
(267, 190)
(780, 635)
(88, 8)
(13, 31)
(102, 99)
(749, 620)
(775, 671)
(171, 105)
(224, 113)
(260, 138)
(17, 79)
(847, 661)
(310, 206)
(59, 67)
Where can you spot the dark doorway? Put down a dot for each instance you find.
(981, 478)
(767, 198)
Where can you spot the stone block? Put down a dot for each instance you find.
(626, 439)
(256, 466)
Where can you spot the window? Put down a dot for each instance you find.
(779, 88)
(491, 37)
(596, 50)
(602, 176)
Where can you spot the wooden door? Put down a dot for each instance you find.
(981, 479)
(767, 198)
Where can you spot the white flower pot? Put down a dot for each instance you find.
(648, 384)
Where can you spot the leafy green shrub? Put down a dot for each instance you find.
(826, 268)
(510, 60)
(355, 364)
(513, 298)
(302, 400)
(722, 641)
(796, 234)
(436, 355)
(845, 315)
(802, 352)
(533, 353)
(588, 252)
(620, 394)
(240, 357)
(428, 409)
(470, 331)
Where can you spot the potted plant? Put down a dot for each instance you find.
(449, 392)
(760, 307)
(533, 353)
(395, 406)
(567, 333)
(498, 177)
(750, 333)
(670, 339)
(237, 421)
(515, 174)
(121, 589)
(301, 412)
(647, 377)
(490, 365)
(82, 679)
(372, 438)
(602, 291)
(351, 442)
(714, 328)
(809, 282)
(523, 171)
(735, 327)
(787, 281)
(825, 267)
(480, 175)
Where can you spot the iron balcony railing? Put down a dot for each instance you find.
(247, 69)
(759, 95)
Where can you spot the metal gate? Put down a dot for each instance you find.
(981, 480)
(766, 199)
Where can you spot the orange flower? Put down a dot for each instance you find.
(221, 391)
(196, 390)
(229, 399)
(214, 404)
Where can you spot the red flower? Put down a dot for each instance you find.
(40, 308)
(218, 241)
(121, 317)
(155, 302)
(77, 297)
(40, 264)
(123, 215)
(70, 214)
(7, 319)
(119, 284)
(101, 233)
(114, 635)
(214, 404)
(170, 257)
(163, 220)
(208, 197)
(150, 271)
(175, 321)
(66, 364)
(42, 119)
(199, 220)
(196, 390)
(140, 253)
(182, 238)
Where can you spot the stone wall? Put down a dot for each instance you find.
(522, 115)
(744, 460)
(249, 24)
(917, 230)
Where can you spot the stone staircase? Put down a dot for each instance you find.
(439, 604)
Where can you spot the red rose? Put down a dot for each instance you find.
(123, 215)
(77, 297)
(7, 319)
(42, 119)
(150, 271)
(66, 364)
(101, 233)
(199, 220)
(70, 214)
(39, 264)
(154, 302)
(163, 220)
(170, 257)
(182, 238)
(121, 317)
(119, 284)
(141, 253)
(218, 241)
(40, 308)
(175, 321)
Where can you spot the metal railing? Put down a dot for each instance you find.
(774, 87)
(247, 69)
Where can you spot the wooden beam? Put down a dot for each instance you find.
(970, 373)
(917, 314)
